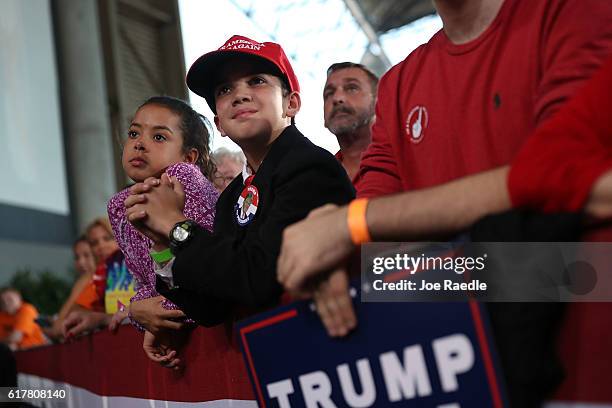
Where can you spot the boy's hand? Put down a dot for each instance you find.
(151, 314)
(159, 348)
(165, 204)
(155, 206)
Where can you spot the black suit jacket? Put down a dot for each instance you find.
(235, 266)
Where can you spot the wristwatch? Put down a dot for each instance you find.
(180, 234)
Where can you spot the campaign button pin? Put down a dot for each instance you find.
(246, 206)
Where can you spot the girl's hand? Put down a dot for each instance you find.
(136, 214)
(81, 321)
(55, 331)
(117, 319)
(151, 314)
(159, 349)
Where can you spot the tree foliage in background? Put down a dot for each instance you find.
(45, 290)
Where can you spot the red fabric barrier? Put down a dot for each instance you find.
(115, 365)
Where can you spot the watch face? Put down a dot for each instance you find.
(180, 234)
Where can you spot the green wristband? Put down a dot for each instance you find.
(162, 256)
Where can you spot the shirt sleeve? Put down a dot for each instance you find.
(200, 194)
(577, 39)
(556, 168)
(165, 272)
(116, 214)
(24, 321)
(88, 298)
(222, 269)
(378, 173)
(134, 245)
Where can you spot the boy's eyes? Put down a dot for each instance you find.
(223, 90)
(159, 138)
(226, 89)
(257, 80)
(132, 134)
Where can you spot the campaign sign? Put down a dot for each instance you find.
(434, 355)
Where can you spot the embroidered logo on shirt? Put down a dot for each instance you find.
(416, 123)
(496, 101)
(246, 207)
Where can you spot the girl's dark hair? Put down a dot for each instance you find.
(195, 128)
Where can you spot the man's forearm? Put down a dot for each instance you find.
(323, 240)
(440, 210)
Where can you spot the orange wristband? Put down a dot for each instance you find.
(356, 219)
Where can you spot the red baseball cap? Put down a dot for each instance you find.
(201, 75)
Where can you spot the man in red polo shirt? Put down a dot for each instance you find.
(349, 97)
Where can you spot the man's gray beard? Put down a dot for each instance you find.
(350, 128)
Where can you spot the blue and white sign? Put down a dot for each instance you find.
(434, 355)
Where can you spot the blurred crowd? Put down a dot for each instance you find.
(499, 127)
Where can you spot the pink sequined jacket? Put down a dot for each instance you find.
(200, 200)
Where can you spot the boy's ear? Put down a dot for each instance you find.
(294, 102)
(192, 155)
(219, 128)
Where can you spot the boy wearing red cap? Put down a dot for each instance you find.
(254, 93)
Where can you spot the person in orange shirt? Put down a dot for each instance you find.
(92, 308)
(17, 327)
(85, 265)
(100, 236)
